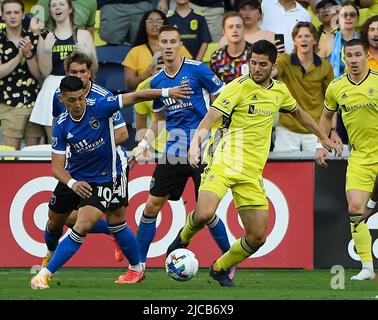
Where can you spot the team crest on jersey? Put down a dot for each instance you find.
(193, 24)
(371, 92)
(54, 141)
(185, 82)
(217, 81)
(225, 102)
(94, 123)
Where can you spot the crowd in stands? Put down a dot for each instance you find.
(37, 36)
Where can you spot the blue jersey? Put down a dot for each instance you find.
(184, 116)
(93, 156)
(193, 30)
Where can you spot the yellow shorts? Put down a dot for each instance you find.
(248, 193)
(361, 177)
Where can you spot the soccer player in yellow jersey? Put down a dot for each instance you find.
(355, 94)
(252, 103)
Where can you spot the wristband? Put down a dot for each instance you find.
(371, 204)
(165, 92)
(143, 144)
(70, 183)
(31, 57)
(319, 146)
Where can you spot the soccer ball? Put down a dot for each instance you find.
(181, 264)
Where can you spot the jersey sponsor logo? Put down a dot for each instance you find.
(251, 109)
(358, 106)
(117, 116)
(53, 200)
(152, 183)
(94, 123)
(217, 81)
(54, 141)
(193, 24)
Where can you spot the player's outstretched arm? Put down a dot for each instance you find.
(203, 129)
(182, 92)
(81, 188)
(321, 132)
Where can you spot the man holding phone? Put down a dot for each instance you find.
(307, 77)
(281, 16)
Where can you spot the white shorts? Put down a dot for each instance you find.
(287, 141)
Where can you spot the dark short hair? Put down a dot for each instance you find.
(356, 42)
(265, 47)
(13, 1)
(71, 84)
(321, 4)
(254, 3)
(78, 57)
(365, 29)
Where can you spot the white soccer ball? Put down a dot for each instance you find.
(181, 264)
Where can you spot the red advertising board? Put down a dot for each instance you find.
(26, 189)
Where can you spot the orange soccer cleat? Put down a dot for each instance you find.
(131, 276)
(46, 260)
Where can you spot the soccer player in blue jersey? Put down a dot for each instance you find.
(180, 118)
(92, 177)
(79, 64)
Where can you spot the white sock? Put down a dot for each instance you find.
(50, 253)
(45, 271)
(137, 267)
(368, 265)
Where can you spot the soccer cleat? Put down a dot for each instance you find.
(364, 274)
(46, 260)
(131, 276)
(118, 254)
(176, 244)
(222, 277)
(231, 272)
(40, 281)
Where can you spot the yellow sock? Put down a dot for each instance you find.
(238, 252)
(190, 228)
(362, 240)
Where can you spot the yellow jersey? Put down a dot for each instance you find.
(358, 104)
(250, 110)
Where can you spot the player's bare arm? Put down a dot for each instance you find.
(81, 188)
(309, 123)
(325, 124)
(203, 129)
(120, 135)
(182, 92)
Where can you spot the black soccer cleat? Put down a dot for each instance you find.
(176, 244)
(222, 277)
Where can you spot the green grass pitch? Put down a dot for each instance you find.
(252, 284)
